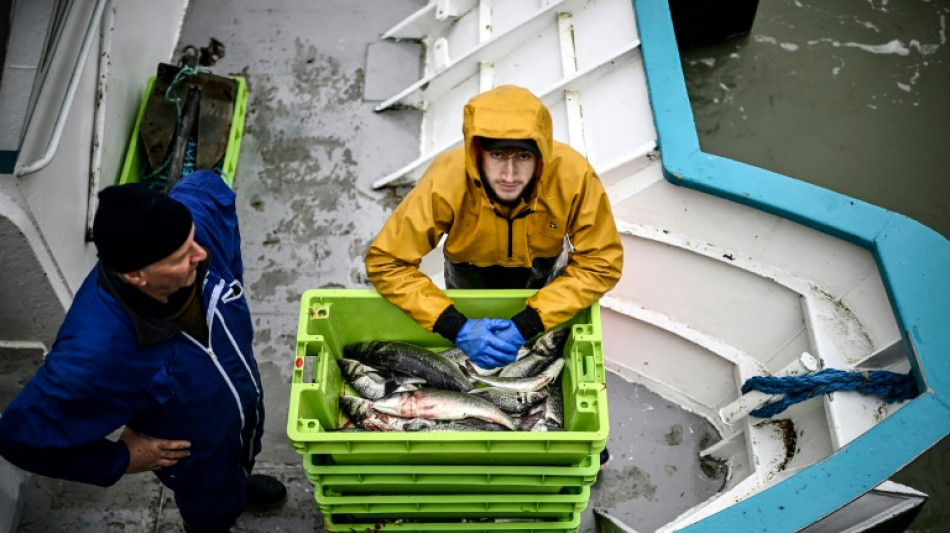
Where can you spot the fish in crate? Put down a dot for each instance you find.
(404, 387)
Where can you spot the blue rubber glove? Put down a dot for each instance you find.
(507, 330)
(484, 347)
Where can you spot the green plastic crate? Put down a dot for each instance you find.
(332, 318)
(348, 480)
(134, 164)
(442, 506)
(346, 523)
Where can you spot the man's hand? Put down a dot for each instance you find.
(149, 453)
(482, 346)
(507, 330)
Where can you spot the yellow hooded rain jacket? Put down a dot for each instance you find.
(566, 199)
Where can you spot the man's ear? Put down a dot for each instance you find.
(136, 278)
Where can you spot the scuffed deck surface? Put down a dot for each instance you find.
(312, 147)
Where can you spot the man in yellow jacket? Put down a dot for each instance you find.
(518, 210)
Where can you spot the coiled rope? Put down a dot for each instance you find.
(171, 93)
(891, 386)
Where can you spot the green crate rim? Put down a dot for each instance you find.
(319, 441)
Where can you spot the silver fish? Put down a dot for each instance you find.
(530, 359)
(530, 418)
(352, 369)
(552, 343)
(508, 400)
(527, 384)
(539, 356)
(457, 356)
(554, 405)
(375, 384)
(366, 382)
(465, 424)
(408, 358)
(535, 420)
(527, 366)
(443, 405)
(361, 413)
(401, 378)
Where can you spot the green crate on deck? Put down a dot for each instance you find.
(441, 506)
(348, 524)
(350, 480)
(332, 318)
(134, 165)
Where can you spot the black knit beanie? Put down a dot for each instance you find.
(136, 226)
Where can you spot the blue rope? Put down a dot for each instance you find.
(891, 386)
(158, 177)
(191, 154)
(171, 93)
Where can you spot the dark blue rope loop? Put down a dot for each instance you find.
(891, 386)
(159, 176)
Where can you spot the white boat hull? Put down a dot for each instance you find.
(716, 288)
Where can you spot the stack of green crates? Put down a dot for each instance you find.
(441, 481)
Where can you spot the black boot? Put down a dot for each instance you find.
(604, 458)
(189, 529)
(264, 493)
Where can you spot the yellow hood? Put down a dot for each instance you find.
(507, 112)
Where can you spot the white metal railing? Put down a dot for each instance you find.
(98, 130)
(53, 143)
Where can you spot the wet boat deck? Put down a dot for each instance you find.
(313, 146)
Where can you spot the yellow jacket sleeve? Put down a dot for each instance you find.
(413, 230)
(595, 263)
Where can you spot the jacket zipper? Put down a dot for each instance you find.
(250, 374)
(209, 349)
(213, 311)
(224, 375)
(511, 227)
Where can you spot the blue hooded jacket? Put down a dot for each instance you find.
(110, 367)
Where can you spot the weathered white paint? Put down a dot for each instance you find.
(106, 36)
(146, 34)
(22, 62)
(24, 168)
(48, 207)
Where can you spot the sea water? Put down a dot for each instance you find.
(851, 95)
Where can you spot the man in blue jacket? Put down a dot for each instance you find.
(157, 342)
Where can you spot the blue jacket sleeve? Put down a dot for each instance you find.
(212, 204)
(34, 437)
(89, 385)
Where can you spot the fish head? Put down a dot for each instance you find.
(354, 408)
(456, 355)
(535, 397)
(351, 368)
(552, 343)
(354, 350)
